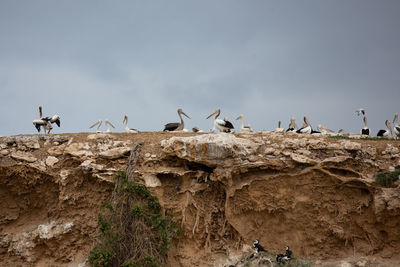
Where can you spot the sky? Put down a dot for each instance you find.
(87, 60)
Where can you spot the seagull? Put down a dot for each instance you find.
(243, 128)
(222, 125)
(127, 129)
(176, 126)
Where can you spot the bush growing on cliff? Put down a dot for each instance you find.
(133, 232)
(387, 178)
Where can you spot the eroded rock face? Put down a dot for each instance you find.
(316, 194)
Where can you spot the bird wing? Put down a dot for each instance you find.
(171, 126)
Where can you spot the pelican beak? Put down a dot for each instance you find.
(215, 112)
(306, 121)
(389, 126)
(185, 114)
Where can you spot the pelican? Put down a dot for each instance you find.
(127, 129)
(279, 129)
(243, 128)
(292, 125)
(365, 130)
(388, 130)
(108, 124)
(222, 125)
(396, 126)
(43, 121)
(324, 130)
(98, 123)
(176, 126)
(305, 128)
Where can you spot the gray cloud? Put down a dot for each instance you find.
(90, 60)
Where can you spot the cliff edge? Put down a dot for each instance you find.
(314, 193)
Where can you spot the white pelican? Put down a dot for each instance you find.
(324, 130)
(108, 124)
(222, 125)
(365, 130)
(98, 123)
(396, 126)
(243, 128)
(388, 130)
(127, 129)
(176, 126)
(305, 128)
(45, 122)
(292, 125)
(279, 129)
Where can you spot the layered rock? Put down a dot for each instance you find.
(314, 193)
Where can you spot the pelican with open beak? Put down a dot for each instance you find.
(176, 126)
(243, 128)
(222, 125)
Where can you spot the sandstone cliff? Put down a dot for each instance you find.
(314, 193)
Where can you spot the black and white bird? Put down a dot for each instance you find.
(292, 125)
(386, 132)
(46, 122)
(176, 126)
(222, 125)
(396, 126)
(284, 257)
(305, 128)
(257, 246)
(243, 128)
(365, 130)
(127, 129)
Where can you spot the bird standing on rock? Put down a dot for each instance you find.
(257, 246)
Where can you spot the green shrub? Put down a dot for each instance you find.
(387, 178)
(133, 232)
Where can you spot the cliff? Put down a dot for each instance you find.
(314, 193)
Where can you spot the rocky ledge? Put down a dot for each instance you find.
(314, 193)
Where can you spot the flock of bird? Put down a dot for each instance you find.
(224, 125)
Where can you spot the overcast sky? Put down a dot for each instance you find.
(91, 60)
